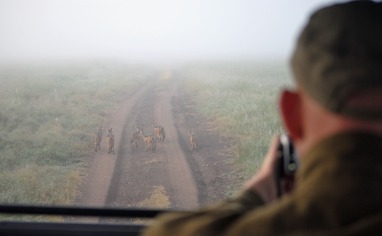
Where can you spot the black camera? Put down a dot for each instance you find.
(287, 162)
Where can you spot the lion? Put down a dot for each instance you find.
(98, 139)
(135, 140)
(110, 138)
(193, 141)
(159, 132)
(149, 141)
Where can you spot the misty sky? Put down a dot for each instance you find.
(152, 29)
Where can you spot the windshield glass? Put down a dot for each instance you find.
(145, 104)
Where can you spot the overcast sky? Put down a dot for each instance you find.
(152, 29)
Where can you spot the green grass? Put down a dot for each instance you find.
(242, 98)
(48, 116)
(47, 120)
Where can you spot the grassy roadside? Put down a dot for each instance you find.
(242, 98)
(47, 119)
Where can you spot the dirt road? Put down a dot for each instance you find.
(173, 176)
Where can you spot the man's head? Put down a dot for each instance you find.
(337, 64)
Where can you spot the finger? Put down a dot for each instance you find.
(271, 156)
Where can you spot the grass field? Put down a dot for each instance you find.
(242, 98)
(48, 117)
(47, 120)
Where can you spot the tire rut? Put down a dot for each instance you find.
(171, 177)
(101, 165)
(139, 173)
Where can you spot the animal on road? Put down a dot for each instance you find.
(149, 141)
(98, 138)
(193, 141)
(159, 132)
(110, 138)
(135, 139)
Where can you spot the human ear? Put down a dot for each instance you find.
(291, 113)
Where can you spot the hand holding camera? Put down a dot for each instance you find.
(286, 165)
(276, 175)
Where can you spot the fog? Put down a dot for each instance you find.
(150, 29)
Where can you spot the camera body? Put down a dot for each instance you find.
(287, 162)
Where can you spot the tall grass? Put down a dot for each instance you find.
(47, 120)
(242, 98)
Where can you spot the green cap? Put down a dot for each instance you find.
(339, 56)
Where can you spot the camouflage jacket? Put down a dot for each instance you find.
(339, 193)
